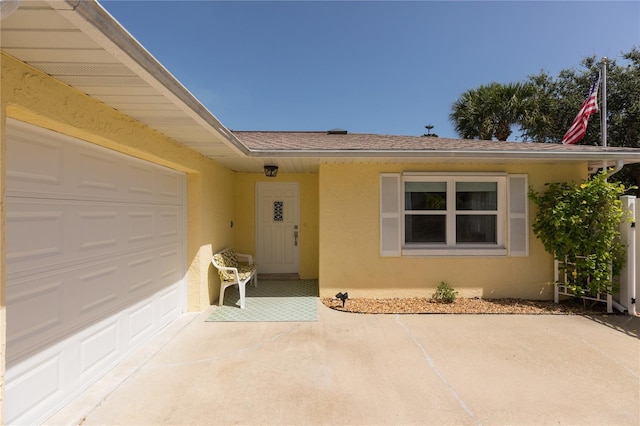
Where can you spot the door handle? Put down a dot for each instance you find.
(295, 235)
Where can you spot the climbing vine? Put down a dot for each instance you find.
(579, 225)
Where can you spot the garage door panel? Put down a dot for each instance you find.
(46, 227)
(33, 385)
(44, 168)
(74, 359)
(44, 308)
(138, 279)
(169, 186)
(98, 348)
(65, 369)
(170, 222)
(169, 272)
(98, 229)
(98, 171)
(36, 309)
(60, 233)
(168, 305)
(141, 226)
(140, 323)
(95, 292)
(140, 180)
(51, 165)
(95, 264)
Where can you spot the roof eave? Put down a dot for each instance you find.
(489, 155)
(95, 21)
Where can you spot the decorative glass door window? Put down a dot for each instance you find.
(278, 211)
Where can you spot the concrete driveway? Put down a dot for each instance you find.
(377, 369)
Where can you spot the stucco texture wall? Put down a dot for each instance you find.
(31, 96)
(245, 207)
(350, 240)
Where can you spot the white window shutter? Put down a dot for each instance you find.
(518, 215)
(390, 215)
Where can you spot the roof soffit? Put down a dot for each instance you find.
(80, 44)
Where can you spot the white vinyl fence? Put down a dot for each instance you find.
(629, 279)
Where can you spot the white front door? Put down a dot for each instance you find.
(278, 234)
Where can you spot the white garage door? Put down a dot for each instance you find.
(95, 264)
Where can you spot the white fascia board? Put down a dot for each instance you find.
(98, 24)
(628, 157)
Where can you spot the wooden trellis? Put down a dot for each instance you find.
(561, 277)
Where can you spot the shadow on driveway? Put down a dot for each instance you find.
(629, 325)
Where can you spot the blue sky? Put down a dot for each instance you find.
(387, 67)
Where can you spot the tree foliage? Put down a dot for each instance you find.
(579, 225)
(557, 101)
(544, 106)
(490, 110)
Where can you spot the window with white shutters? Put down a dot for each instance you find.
(423, 214)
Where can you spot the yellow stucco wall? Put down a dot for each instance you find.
(245, 227)
(350, 240)
(31, 96)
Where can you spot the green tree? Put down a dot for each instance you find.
(558, 99)
(491, 110)
(579, 225)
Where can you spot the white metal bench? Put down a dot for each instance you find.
(233, 272)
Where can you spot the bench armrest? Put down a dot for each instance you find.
(245, 257)
(233, 270)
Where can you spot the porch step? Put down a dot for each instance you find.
(278, 277)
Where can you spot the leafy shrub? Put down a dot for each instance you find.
(579, 225)
(445, 293)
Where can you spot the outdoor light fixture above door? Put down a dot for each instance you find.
(270, 171)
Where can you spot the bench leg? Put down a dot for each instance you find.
(223, 286)
(221, 297)
(241, 287)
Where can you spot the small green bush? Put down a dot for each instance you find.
(445, 293)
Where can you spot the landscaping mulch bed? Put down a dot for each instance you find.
(423, 305)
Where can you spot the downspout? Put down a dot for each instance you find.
(616, 169)
(619, 165)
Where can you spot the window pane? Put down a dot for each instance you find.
(476, 229)
(425, 229)
(476, 196)
(425, 195)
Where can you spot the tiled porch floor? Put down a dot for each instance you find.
(272, 300)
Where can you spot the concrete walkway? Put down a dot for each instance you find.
(376, 369)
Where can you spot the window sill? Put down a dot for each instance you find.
(454, 252)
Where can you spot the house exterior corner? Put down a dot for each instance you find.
(32, 97)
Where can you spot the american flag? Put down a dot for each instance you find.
(589, 106)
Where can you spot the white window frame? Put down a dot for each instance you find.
(451, 248)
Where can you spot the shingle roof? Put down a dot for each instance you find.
(313, 141)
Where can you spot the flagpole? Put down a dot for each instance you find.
(604, 102)
(603, 112)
